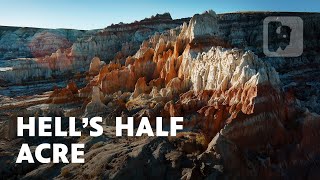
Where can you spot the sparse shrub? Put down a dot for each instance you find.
(201, 140)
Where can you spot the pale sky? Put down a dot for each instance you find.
(95, 14)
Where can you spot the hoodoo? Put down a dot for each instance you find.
(192, 98)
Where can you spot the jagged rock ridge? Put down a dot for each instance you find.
(240, 117)
(230, 95)
(55, 53)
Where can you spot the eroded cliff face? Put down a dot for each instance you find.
(245, 115)
(36, 55)
(232, 96)
(16, 42)
(169, 69)
(120, 40)
(298, 74)
(57, 52)
(27, 70)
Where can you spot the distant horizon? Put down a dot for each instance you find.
(99, 14)
(149, 17)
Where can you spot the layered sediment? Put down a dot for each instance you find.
(235, 98)
(245, 115)
(55, 52)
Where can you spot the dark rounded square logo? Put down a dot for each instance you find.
(283, 36)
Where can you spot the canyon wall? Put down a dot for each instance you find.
(245, 114)
(254, 125)
(120, 40)
(24, 42)
(57, 52)
(299, 75)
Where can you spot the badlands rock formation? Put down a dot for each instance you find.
(120, 40)
(243, 30)
(95, 106)
(203, 25)
(57, 65)
(55, 53)
(16, 42)
(245, 115)
(233, 97)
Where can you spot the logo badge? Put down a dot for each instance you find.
(283, 36)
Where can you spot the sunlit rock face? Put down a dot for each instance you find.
(70, 51)
(95, 66)
(222, 69)
(202, 25)
(234, 97)
(233, 79)
(64, 95)
(257, 116)
(226, 84)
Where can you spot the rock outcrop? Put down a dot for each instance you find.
(95, 106)
(204, 25)
(234, 97)
(64, 95)
(16, 42)
(245, 115)
(225, 82)
(55, 53)
(244, 30)
(95, 66)
(122, 40)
